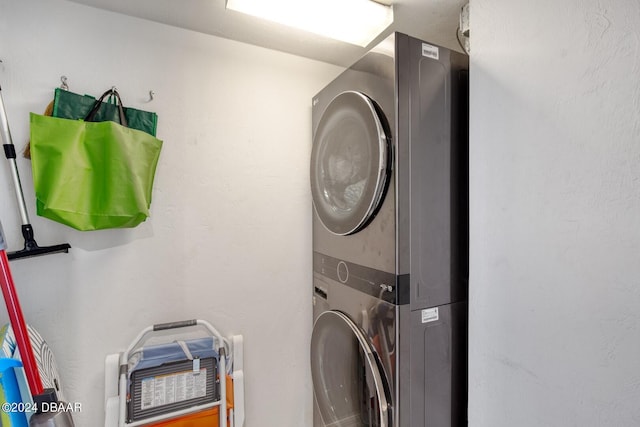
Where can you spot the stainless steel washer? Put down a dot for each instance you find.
(389, 186)
(378, 364)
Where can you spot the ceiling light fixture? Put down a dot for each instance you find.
(353, 21)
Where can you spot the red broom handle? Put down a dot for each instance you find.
(19, 326)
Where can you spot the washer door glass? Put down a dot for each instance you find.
(350, 163)
(349, 388)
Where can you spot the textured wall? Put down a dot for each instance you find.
(229, 238)
(555, 213)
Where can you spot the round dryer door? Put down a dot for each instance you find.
(350, 163)
(348, 383)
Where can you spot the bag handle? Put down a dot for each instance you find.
(98, 104)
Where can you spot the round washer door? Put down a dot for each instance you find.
(350, 163)
(348, 382)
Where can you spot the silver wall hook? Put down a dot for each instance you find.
(151, 95)
(64, 84)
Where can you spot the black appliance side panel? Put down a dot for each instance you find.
(439, 367)
(437, 262)
(402, 172)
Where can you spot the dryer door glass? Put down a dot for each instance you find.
(350, 163)
(349, 385)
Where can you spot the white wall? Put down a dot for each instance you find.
(229, 238)
(555, 196)
(555, 213)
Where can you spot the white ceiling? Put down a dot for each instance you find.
(435, 21)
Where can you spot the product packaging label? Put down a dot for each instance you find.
(430, 51)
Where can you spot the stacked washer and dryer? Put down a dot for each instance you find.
(390, 240)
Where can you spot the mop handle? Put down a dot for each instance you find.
(17, 322)
(10, 154)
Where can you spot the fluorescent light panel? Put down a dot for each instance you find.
(352, 21)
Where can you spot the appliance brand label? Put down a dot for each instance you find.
(430, 315)
(430, 51)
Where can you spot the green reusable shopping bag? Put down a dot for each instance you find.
(92, 175)
(69, 105)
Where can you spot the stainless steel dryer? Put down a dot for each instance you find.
(389, 186)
